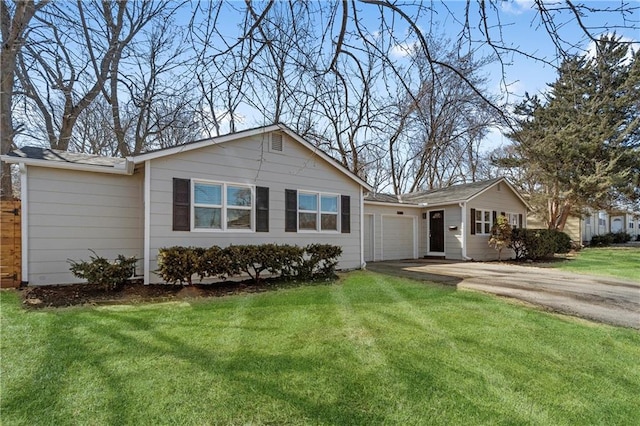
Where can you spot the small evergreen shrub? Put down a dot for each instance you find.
(500, 235)
(177, 265)
(563, 243)
(100, 271)
(533, 244)
(610, 238)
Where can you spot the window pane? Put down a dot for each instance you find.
(208, 218)
(205, 193)
(478, 227)
(238, 219)
(238, 196)
(308, 221)
(307, 202)
(487, 216)
(329, 203)
(478, 215)
(487, 228)
(329, 222)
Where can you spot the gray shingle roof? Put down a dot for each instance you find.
(451, 194)
(47, 154)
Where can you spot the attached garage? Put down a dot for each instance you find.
(398, 237)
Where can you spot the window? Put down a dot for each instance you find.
(587, 220)
(317, 212)
(222, 206)
(513, 219)
(483, 222)
(602, 219)
(630, 225)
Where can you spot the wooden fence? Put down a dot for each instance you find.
(10, 244)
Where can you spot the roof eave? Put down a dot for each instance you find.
(126, 170)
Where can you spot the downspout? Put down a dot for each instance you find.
(463, 228)
(24, 225)
(363, 264)
(147, 221)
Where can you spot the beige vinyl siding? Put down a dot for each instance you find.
(571, 228)
(378, 212)
(249, 161)
(503, 200)
(70, 212)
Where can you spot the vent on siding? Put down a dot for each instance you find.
(276, 142)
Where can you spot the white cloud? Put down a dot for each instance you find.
(403, 50)
(516, 7)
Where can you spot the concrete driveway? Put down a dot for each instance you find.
(602, 299)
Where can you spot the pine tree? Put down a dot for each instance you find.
(581, 145)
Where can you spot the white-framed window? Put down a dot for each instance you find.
(602, 216)
(318, 211)
(512, 218)
(587, 220)
(222, 206)
(483, 222)
(630, 225)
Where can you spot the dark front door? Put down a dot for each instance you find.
(436, 231)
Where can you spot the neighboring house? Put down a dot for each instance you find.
(573, 226)
(600, 222)
(251, 187)
(450, 223)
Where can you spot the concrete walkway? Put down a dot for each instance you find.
(607, 300)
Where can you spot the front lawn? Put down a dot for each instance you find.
(370, 349)
(620, 262)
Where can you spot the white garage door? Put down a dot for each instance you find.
(397, 237)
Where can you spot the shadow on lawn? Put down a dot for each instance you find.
(92, 348)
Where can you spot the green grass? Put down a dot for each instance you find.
(368, 350)
(620, 262)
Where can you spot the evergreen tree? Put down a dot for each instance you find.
(580, 146)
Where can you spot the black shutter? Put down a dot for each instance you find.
(520, 220)
(345, 214)
(473, 221)
(262, 209)
(502, 214)
(290, 210)
(181, 201)
(495, 217)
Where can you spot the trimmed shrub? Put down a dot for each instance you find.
(621, 237)
(533, 244)
(100, 271)
(563, 243)
(315, 261)
(610, 238)
(178, 264)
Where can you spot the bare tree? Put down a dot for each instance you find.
(15, 18)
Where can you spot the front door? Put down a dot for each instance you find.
(436, 231)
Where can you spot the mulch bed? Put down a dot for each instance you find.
(135, 292)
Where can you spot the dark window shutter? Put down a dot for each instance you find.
(181, 201)
(495, 217)
(262, 209)
(345, 214)
(520, 220)
(290, 210)
(502, 214)
(473, 221)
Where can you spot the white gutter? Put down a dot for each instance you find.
(463, 229)
(24, 225)
(120, 169)
(147, 221)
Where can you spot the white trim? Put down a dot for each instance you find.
(147, 221)
(463, 228)
(372, 238)
(24, 224)
(444, 234)
(385, 203)
(126, 170)
(414, 233)
(223, 207)
(363, 264)
(319, 212)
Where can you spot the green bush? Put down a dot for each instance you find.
(178, 264)
(563, 243)
(533, 244)
(100, 271)
(610, 238)
(315, 261)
